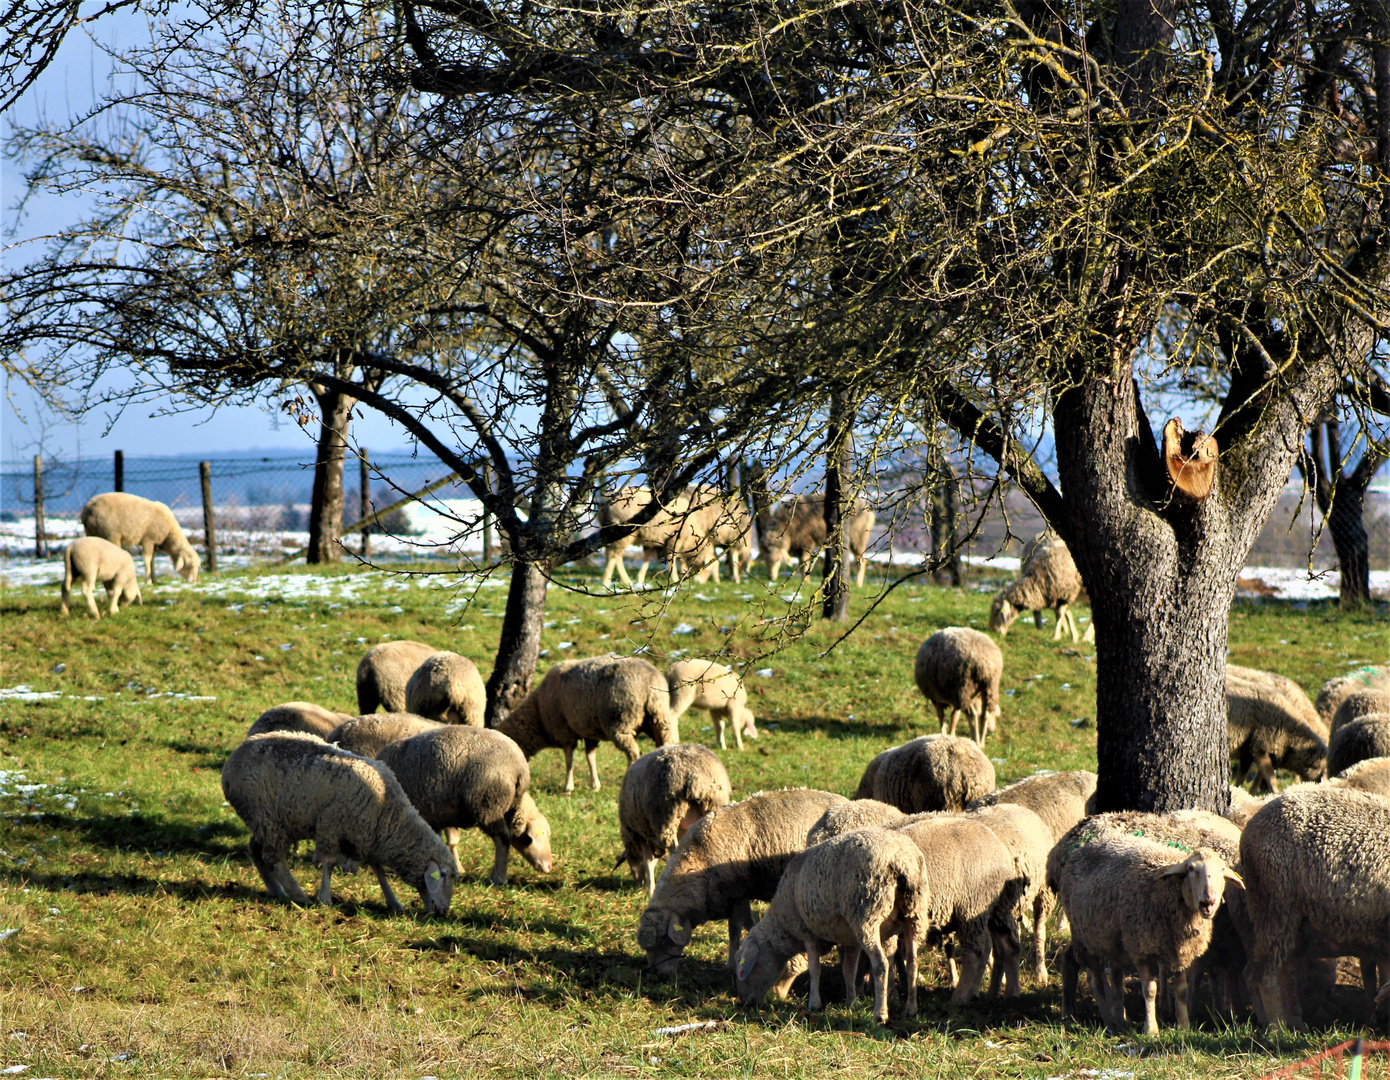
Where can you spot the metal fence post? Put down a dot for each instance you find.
(209, 518)
(119, 469)
(40, 544)
(487, 518)
(364, 484)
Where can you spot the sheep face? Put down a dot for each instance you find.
(1204, 875)
(1309, 762)
(187, 563)
(756, 970)
(437, 888)
(663, 934)
(1002, 615)
(533, 838)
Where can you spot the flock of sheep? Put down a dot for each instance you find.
(926, 850)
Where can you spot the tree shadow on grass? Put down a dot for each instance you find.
(138, 832)
(90, 884)
(884, 733)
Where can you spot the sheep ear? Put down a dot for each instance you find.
(622, 858)
(1234, 878)
(747, 956)
(678, 931)
(1176, 870)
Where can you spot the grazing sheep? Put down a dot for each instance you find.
(366, 735)
(703, 684)
(931, 772)
(1131, 904)
(460, 777)
(1316, 862)
(975, 886)
(732, 533)
(447, 687)
(1360, 703)
(958, 669)
(297, 716)
(854, 891)
(1363, 738)
(1048, 579)
(292, 786)
(1336, 690)
(670, 525)
(130, 521)
(601, 697)
(729, 857)
(1295, 700)
(664, 793)
(1061, 799)
(1268, 729)
(92, 559)
(384, 673)
(857, 814)
(1029, 840)
(797, 528)
(1372, 774)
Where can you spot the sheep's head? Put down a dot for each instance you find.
(1190, 459)
(187, 563)
(1204, 876)
(663, 934)
(1002, 615)
(1309, 761)
(756, 969)
(531, 834)
(437, 886)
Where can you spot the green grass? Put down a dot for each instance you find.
(146, 936)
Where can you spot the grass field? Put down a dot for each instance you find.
(146, 945)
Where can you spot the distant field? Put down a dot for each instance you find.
(146, 944)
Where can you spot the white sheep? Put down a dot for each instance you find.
(447, 687)
(664, 793)
(731, 533)
(1360, 703)
(292, 786)
(1336, 689)
(385, 671)
(130, 521)
(675, 529)
(855, 891)
(602, 697)
(366, 735)
(92, 559)
(1061, 799)
(462, 777)
(797, 529)
(703, 684)
(297, 716)
(1029, 840)
(1370, 774)
(1268, 728)
(931, 772)
(1048, 579)
(958, 669)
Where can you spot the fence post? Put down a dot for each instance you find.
(40, 545)
(209, 518)
(487, 518)
(364, 485)
(119, 470)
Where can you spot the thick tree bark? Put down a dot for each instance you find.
(835, 604)
(326, 503)
(518, 649)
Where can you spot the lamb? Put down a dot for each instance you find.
(1267, 729)
(854, 891)
(1315, 863)
(729, 857)
(931, 772)
(291, 786)
(1336, 690)
(384, 673)
(653, 537)
(1296, 701)
(664, 793)
(1360, 703)
(1029, 841)
(459, 777)
(447, 687)
(92, 559)
(297, 716)
(1048, 579)
(797, 529)
(130, 521)
(715, 688)
(1365, 737)
(959, 669)
(366, 735)
(1372, 774)
(1129, 903)
(601, 697)
(1061, 799)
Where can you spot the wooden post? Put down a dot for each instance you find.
(364, 482)
(119, 470)
(487, 518)
(40, 544)
(209, 518)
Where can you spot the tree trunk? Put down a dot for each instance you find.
(837, 476)
(945, 534)
(326, 504)
(518, 650)
(1346, 523)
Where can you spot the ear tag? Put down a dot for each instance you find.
(434, 875)
(743, 967)
(677, 927)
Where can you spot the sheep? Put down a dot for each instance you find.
(729, 857)
(1317, 868)
(1336, 690)
(664, 793)
(601, 697)
(291, 786)
(1296, 701)
(931, 772)
(1130, 903)
(447, 687)
(1267, 729)
(1360, 703)
(1029, 840)
(297, 716)
(857, 814)
(958, 669)
(1061, 799)
(92, 559)
(975, 886)
(1365, 737)
(460, 777)
(797, 529)
(715, 688)
(854, 891)
(1048, 579)
(731, 533)
(366, 735)
(384, 673)
(1372, 774)
(130, 521)
(653, 537)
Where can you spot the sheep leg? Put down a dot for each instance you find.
(878, 972)
(1040, 936)
(861, 566)
(813, 968)
(719, 726)
(1070, 970)
(326, 886)
(975, 944)
(501, 849)
(849, 968)
(740, 919)
(1266, 768)
(1182, 999)
(88, 589)
(113, 592)
(624, 741)
(391, 901)
(591, 756)
(955, 718)
(1148, 983)
(977, 721)
(907, 957)
(649, 875)
(736, 722)
(569, 769)
(289, 887)
(941, 716)
(950, 950)
(450, 836)
(148, 549)
(266, 870)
